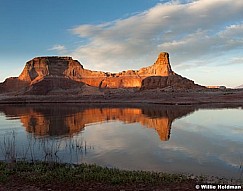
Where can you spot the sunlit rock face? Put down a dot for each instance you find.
(40, 68)
(133, 78)
(161, 67)
(42, 75)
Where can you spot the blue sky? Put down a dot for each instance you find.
(204, 37)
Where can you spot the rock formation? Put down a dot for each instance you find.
(239, 87)
(174, 81)
(44, 74)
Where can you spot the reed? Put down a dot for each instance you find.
(45, 149)
(8, 147)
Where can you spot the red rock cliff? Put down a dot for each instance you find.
(66, 73)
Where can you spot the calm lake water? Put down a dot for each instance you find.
(150, 137)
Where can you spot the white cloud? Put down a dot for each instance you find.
(87, 30)
(237, 60)
(233, 32)
(59, 48)
(192, 31)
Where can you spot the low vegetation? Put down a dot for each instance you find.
(54, 172)
(48, 175)
(56, 176)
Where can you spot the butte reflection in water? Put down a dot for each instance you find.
(59, 120)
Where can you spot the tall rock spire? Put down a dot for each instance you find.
(162, 65)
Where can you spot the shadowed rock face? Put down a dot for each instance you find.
(12, 84)
(174, 81)
(67, 120)
(44, 74)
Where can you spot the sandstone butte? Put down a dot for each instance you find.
(43, 74)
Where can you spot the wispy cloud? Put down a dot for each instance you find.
(58, 48)
(237, 60)
(189, 31)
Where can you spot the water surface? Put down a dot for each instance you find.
(148, 137)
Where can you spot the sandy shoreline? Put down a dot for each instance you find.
(230, 97)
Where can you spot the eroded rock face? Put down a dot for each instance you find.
(161, 67)
(52, 83)
(12, 84)
(174, 81)
(44, 74)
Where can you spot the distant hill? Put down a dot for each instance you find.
(239, 87)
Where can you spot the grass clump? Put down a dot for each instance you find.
(59, 176)
(56, 172)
